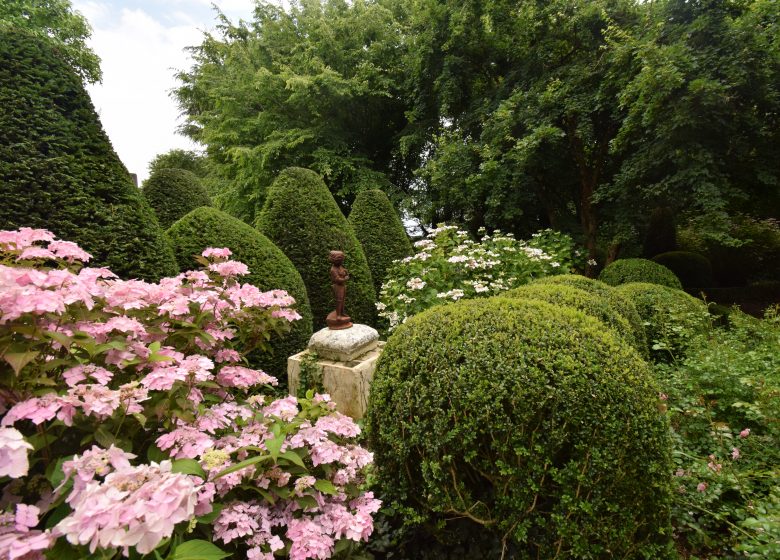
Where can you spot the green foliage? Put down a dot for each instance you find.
(450, 266)
(723, 397)
(172, 193)
(749, 252)
(56, 20)
(615, 300)
(380, 231)
(545, 425)
(672, 318)
(701, 125)
(269, 269)
(639, 270)
(661, 236)
(692, 269)
(590, 303)
(317, 86)
(58, 167)
(302, 219)
(179, 159)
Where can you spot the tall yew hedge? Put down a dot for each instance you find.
(380, 231)
(269, 269)
(172, 193)
(59, 170)
(301, 217)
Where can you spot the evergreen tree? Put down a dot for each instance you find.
(58, 167)
(301, 217)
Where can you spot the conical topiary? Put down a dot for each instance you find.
(380, 232)
(58, 169)
(172, 193)
(301, 217)
(269, 269)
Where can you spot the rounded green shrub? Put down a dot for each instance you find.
(615, 300)
(591, 304)
(59, 171)
(624, 271)
(301, 217)
(672, 318)
(172, 193)
(269, 269)
(693, 270)
(380, 232)
(532, 421)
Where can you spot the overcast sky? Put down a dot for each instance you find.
(141, 45)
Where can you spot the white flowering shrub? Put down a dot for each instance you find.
(449, 266)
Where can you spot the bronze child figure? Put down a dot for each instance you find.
(338, 275)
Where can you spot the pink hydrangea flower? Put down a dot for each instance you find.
(13, 453)
(75, 375)
(286, 408)
(69, 251)
(744, 433)
(229, 268)
(243, 378)
(185, 442)
(735, 454)
(133, 507)
(237, 520)
(223, 252)
(701, 487)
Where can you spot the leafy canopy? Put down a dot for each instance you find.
(57, 20)
(316, 86)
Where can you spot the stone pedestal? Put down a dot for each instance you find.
(346, 360)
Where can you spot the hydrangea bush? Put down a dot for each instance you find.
(448, 265)
(131, 426)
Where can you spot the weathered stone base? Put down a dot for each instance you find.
(347, 383)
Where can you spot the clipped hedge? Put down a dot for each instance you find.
(591, 304)
(693, 270)
(639, 270)
(269, 269)
(672, 318)
(172, 193)
(619, 303)
(546, 429)
(58, 169)
(380, 232)
(301, 217)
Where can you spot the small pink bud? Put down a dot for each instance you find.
(735, 454)
(701, 487)
(744, 433)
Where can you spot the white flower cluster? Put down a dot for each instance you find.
(457, 267)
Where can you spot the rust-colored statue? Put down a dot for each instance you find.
(337, 320)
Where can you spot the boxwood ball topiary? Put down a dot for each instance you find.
(618, 302)
(639, 270)
(693, 270)
(380, 232)
(591, 304)
(58, 169)
(269, 269)
(172, 193)
(301, 217)
(672, 318)
(534, 421)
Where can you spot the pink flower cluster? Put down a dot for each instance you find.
(13, 453)
(19, 539)
(123, 349)
(132, 506)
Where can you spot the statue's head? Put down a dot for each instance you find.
(336, 258)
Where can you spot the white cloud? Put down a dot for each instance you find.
(140, 55)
